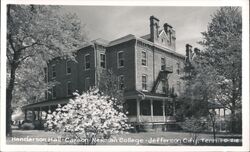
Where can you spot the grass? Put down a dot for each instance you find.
(40, 137)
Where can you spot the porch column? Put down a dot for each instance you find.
(33, 114)
(25, 114)
(152, 110)
(138, 109)
(163, 111)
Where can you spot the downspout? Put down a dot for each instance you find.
(143, 95)
(95, 65)
(153, 64)
(135, 56)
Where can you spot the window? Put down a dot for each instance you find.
(53, 71)
(144, 58)
(68, 68)
(87, 61)
(69, 88)
(87, 83)
(163, 64)
(178, 68)
(103, 60)
(144, 82)
(53, 92)
(120, 59)
(121, 82)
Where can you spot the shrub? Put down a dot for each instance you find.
(195, 126)
(88, 116)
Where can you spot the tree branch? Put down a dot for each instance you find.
(11, 42)
(25, 47)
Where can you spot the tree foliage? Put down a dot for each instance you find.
(35, 34)
(214, 74)
(108, 84)
(223, 52)
(88, 116)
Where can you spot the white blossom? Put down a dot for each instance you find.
(90, 115)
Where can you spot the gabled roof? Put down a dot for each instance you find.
(162, 32)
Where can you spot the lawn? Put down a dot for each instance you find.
(40, 137)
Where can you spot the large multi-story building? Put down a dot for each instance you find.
(149, 70)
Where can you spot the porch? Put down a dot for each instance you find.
(150, 109)
(35, 111)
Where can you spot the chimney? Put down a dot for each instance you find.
(154, 28)
(188, 52)
(169, 31)
(167, 27)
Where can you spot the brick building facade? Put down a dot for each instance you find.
(148, 69)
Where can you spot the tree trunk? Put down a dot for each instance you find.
(9, 91)
(233, 128)
(233, 122)
(214, 134)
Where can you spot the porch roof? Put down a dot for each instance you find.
(48, 103)
(146, 95)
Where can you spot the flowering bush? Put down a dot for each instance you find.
(87, 117)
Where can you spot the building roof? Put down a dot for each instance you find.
(147, 36)
(100, 41)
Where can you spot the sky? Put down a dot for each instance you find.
(112, 22)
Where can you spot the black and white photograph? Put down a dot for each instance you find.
(81, 75)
